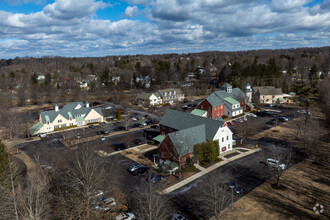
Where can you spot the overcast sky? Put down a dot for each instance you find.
(99, 28)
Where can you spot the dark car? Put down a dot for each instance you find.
(91, 126)
(140, 170)
(119, 146)
(154, 126)
(149, 122)
(155, 178)
(138, 125)
(105, 132)
(262, 113)
(236, 189)
(123, 128)
(147, 116)
(138, 141)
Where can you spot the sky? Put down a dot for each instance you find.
(96, 28)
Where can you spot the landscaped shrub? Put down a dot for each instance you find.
(63, 128)
(218, 160)
(204, 163)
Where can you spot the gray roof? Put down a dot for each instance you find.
(181, 120)
(226, 85)
(67, 111)
(268, 90)
(185, 140)
(214, 100)
(235, 94)
(144, 95)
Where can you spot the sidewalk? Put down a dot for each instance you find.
(143, 149)
(207, 170)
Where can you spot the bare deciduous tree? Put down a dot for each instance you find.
(149, 205)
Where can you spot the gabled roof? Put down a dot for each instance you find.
(35, 128)
(268, 90)
(226, 85)
(185, 140)
(214, 100)
(71, 110)
(181, 120)
(145, 95)
(198, 112)
(235, 94)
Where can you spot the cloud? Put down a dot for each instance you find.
(131, 12)
(72, 28)
(65, 9)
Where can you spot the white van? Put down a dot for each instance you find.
(275, 163)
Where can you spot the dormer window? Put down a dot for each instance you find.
(165, 94)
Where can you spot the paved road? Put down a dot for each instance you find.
(246, 172)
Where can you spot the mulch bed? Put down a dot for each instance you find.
(231, 155)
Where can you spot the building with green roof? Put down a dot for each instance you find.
(228, 101)
(70, 115)
(184, 130)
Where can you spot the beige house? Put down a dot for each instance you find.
(151, 98)
(267, 95)
(71, 115)
(171, 95)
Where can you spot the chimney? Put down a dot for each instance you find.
(56, 108)
(87, 104)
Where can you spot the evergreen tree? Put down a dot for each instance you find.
(313, 77)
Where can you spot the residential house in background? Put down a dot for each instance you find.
(73, 114)
(180, 131)
(171, 95)
(149, 98)
(267, 95)
(228, 101)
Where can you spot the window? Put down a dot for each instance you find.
(56, 126)
(59, 120)
(155, 100)
(71, 124)
(48, 122)
(63, 125)
(223, 139)
(165, 94)
(228, 146)
(184, 160)
(227, 137)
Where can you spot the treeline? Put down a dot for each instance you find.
(50, 79)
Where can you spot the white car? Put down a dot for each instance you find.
(178, 217)
(42, 135)
(126, 216)
(134, 119)
(275, 163)
(109, 107)
(96, 193)
(102, 138)
(252, 115)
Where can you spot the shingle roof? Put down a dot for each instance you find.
(231, 100)
(198, 112)
(181, 120)
(69, 110)
(235, 94)
(214, 100)
(268, 90)
(145, 95)
(185, 140)
(35, 128)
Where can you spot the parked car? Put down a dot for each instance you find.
(42, 135)
(91, 126)
(178, 217)
(230, 123)
(149, 122)
(123, 128)
(105, 132)
(252, 115)
(283, 118)
(301, 111)
(275, 163)
(140, 170)
(108, 107)
(262, 113)
(147, 116)
(96, 193)
(236, 189)
(144, 124)
(119, 146)
(138, 141)
(271, 122)
(133, 118)
(126, 216)
(138, 125)
(155, 178)
(102, 138)
(134, 167)
(154, 126)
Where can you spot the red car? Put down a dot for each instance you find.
(230, 123)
